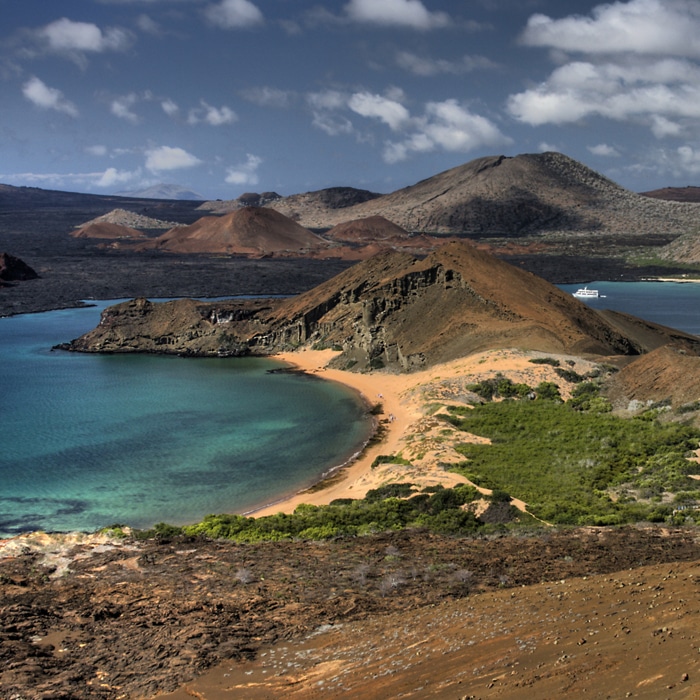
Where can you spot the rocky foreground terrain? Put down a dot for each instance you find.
(600, 613)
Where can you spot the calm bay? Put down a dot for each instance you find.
(93, 440)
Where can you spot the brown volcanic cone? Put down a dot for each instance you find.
(367, 230)
(107, 230)
(457, 301)
(247, 231)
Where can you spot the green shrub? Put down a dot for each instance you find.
(389, 459)
(566, 464)
(545, 361)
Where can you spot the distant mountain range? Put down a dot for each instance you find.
(497, 196)
(542, 199)
(163, 191)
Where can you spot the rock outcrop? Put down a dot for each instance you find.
(390, 311)
(13, 269)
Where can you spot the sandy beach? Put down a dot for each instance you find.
(410, 405)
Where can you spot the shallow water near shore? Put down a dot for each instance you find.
(92, 440)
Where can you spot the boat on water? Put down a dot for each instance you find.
(586, 293)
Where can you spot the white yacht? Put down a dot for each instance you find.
(585, 292)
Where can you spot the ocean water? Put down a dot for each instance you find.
(672, 304)
(93, 440)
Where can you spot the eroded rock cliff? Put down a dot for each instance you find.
(390, 311)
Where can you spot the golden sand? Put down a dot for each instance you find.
(411, 429)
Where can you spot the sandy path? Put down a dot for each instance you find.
(408, 430)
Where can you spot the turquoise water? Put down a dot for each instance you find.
(669, 303)
(92, 440)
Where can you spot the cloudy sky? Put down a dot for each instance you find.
(233, 96)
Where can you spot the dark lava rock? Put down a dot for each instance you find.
(13, 269)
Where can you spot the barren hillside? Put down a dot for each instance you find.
(502, 196)
(105, 229)
(392, 310)
(666, 375)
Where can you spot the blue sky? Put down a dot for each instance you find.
(233, 96)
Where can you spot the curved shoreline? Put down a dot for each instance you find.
(354, 478)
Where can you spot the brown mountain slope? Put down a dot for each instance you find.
(668, 373)
(247, 231)
(371, 228)
(501, 196)
(392, 310)
(676, 194)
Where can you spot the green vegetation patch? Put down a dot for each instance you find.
(439, 511)
(578, 464)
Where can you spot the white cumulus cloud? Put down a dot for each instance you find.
(45, 97)
(389, 111)
(636, 63)
(640, 26)
(234, 14)
(324, 107)
(65, 35)
(244, 173)
(402, 13)
(447, 126)
(122, 107)
(112, 177)
(169, 158)
(603, 149)
(214, 116)
(170, 107)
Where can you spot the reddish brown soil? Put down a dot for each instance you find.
(411, 614)
(107, 230)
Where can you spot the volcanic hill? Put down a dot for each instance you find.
(392, 310)
(248, 231)
(107, 230)
(499, 196)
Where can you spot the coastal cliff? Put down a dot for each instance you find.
(393, 311)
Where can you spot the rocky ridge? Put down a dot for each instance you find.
(13, 269)
(390, 311)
